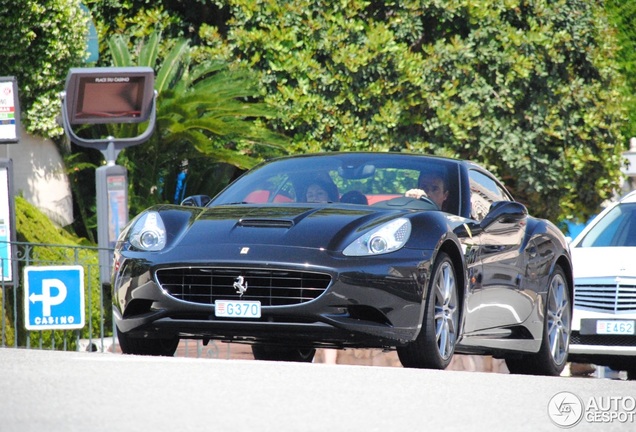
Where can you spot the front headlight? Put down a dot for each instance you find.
(148, 233)
(386, 238)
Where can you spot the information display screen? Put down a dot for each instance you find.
(110, 99)
(109, 95)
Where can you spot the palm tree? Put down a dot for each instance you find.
(208, 114)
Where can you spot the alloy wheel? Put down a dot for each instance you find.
(559, 319)
(445, 310)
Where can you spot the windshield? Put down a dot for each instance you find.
(354, 178)
(616, 228)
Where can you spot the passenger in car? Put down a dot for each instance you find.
(321, 191)
(354, 197)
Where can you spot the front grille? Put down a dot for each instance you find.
(616, 297)
(604, 340)
(270, 287)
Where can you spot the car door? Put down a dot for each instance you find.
(498, 299)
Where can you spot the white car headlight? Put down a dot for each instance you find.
(386, 238)
(149, 232)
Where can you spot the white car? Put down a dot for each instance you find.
(604, 318)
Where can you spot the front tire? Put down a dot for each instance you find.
(553, 354)
(147, 346)
(281, 353)
(435, 344)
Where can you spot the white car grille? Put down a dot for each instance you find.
(615, 295)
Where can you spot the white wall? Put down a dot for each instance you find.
(38, 176)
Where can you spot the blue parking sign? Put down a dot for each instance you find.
(54, 297)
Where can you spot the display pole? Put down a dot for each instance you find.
(111, 180)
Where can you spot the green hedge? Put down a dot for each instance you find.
(50, 245)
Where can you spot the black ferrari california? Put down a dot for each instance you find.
(424, 255)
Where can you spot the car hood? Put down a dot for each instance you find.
(603, 262)
(307, 226)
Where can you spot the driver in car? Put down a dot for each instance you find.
(431, 185)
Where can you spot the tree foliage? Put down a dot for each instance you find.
(528, 88)
(139, 18)
(622, 14)
(40, 40)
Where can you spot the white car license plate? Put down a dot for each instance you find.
(615, 327)
(237, 309)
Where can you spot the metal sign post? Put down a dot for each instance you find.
(8, 265)
(112, 211)
(9, 134)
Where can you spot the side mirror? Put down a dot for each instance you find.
(196, 201)
(505, 212)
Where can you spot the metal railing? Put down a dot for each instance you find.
(97, 335)
(13, 332)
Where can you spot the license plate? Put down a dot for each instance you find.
(615, 327)
(237, 309)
